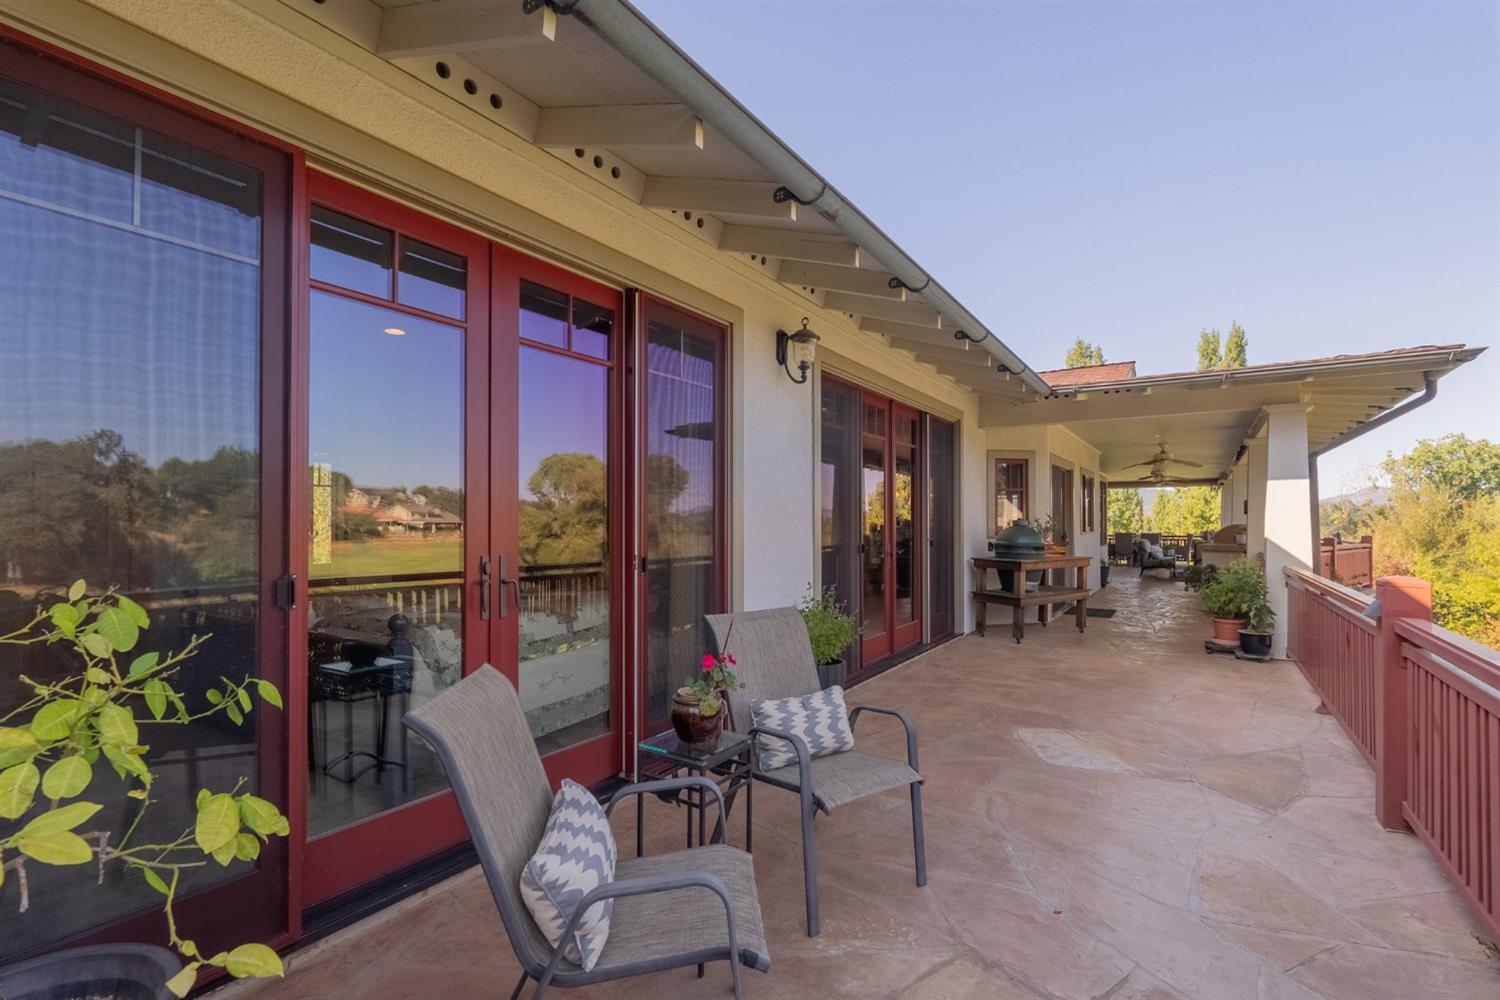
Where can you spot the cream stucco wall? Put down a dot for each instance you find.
(270, 65)
(1046, 446)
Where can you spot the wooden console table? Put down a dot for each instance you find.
(1018, 598)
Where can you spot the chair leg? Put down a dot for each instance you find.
(918, 838)
(810, 869)
(515, 994)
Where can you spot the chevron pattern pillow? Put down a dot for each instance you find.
(820, 719)
(576, 854)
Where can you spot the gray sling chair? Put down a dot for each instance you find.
(775, 660)
(678, 909)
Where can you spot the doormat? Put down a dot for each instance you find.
(1101, 612)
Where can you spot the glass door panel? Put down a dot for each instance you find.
(875, 615)
(839, 497)
(682, 496)
(941, 449)
(906, 569)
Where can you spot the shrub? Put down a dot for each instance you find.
(829, 627)
(1235, 590)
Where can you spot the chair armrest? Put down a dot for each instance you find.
(639, 886)
(906, 723)
(667, 785)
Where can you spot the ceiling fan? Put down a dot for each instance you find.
(1158, 465)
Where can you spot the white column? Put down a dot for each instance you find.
(1226, 501)
(1255, 469)
(1288, 528)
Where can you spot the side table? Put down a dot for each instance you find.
(728, 762)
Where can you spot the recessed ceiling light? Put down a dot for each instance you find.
(395, 331)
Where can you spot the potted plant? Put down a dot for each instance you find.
(1229, 596)
(1051, 528)
(52, 746)
(1260, 626)
(831, 631)
(1103, 572)
(699, 706)
(1198, 576)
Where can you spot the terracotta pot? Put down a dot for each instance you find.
(693, 726)
(1228, 629)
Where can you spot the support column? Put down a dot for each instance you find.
(1287, 492)
(1255, 490)
(1226, 501)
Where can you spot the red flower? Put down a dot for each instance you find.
(729, 659)
(708, 662)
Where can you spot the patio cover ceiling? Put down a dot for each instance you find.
(1204, 417)
(565, 83)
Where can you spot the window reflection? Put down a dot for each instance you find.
(350, 253)
(544, 315)
(432, 279)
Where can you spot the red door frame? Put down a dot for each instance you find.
(601, 756)
(342, 859)
(876, 646)
(40, 65)
(907, 634)
(644, 306)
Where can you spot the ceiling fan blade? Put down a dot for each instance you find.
(1191, 465)
(1140, 465)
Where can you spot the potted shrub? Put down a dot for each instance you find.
(1230, 595)
(1103, 572)
(699, 706)
(1198, 576)
(1260, 626)
(61, 741)
(831, 630)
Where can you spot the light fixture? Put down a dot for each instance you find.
(395, 331)
(797, 346)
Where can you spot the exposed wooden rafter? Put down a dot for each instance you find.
(839, 279)
(911, 311)
(439, 26)
(620, 126)
(720, 197)
(822, 248)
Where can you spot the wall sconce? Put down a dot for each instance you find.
(798, 347)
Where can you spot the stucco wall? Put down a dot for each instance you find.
(1045, 446)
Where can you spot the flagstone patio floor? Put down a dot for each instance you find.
(1113, 815)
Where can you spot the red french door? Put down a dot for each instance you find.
(891, 541)
(398, 522)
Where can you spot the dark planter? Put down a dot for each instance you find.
(1255, 643)
(1104, 574)
(835, 674)
(98, 972)
(693, 726)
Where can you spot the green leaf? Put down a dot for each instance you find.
(67, 778)
(246, 847)
(214, 696)
(60, 847)
(17, 745)
(244, 698)
(143, 664)
(268, 692)
(155, 881)
(65, 618)
(225, 852)
(259, 815)
(137, 614)
(96, 644)
(116, 724)
(55, 720)
(119, 627)
(235, 715)
(97, 675)
(63, 818)
(203, 794)
(155, 694)
(127, 763)
(76, 591)
(182, 983)
(17, 787)
(254, 960)
(218, 822)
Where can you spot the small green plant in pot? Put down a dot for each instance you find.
(1260, 626)
(831, 630)
(97, 717)
(699, 706)
(1230, 595)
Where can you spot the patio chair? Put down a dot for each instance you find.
(677, 909)
(775, 660)
(1123, 547)
(1149, 561)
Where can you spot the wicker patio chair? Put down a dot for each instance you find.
(677, 909)
(1149, 561)
(775, 660)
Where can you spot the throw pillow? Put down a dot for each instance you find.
(576, 854)
(820, 719)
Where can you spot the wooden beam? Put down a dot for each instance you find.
(822, 248)
(839, 279)
(943, 345)
(912, 311)
(910, 331)
(617, 126)
(439, 26)
(720, 197)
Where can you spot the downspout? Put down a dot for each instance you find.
(630, 33)
(1429, 393)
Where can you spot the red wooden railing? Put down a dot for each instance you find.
(1350, 563)
(1452, 796)
(1334, 643)
(1423, 706)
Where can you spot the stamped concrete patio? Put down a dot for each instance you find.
(1113, 814)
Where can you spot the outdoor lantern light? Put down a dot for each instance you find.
(796, 347)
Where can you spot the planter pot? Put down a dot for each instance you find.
(693, 726)
(833, 674)
(1104, 575)
(1228, 629)
(98, 972)
(1255, 643)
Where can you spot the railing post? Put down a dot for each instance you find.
(1399, 597)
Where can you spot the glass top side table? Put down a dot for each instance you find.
(727, 762)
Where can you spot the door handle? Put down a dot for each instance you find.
(506, 581)
(484, 588)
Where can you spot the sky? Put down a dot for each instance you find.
(1325, 174)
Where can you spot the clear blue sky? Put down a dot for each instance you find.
(1327, 174)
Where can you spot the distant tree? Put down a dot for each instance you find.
(564, 519)
(443, 497)
(1234, 348)
(1210, 354)
(1082, 354)
(1464, 466)
(1127, 511)
(1185, 510)
(1345, 518)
